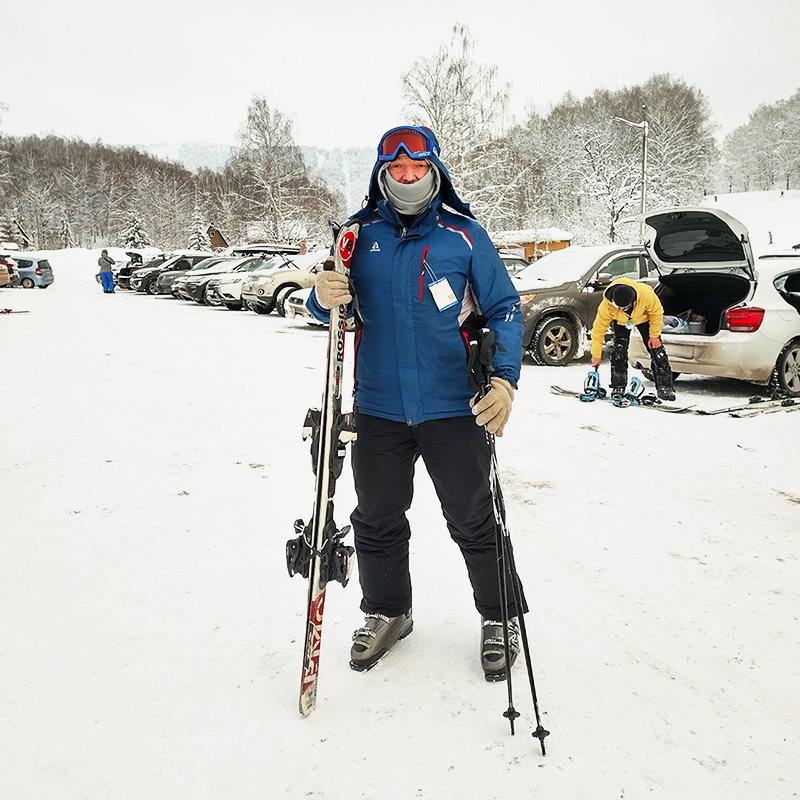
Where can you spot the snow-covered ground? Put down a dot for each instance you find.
(151, 470)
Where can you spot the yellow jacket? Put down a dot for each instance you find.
(646, 308)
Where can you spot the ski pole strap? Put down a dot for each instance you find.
(480, 348)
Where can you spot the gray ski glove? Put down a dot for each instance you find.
(332, 289)
(494, 408)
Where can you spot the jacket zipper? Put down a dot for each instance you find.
(422, 273)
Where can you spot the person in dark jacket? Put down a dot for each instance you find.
(422, 266)
(105, 262)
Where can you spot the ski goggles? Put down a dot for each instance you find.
(416, 144)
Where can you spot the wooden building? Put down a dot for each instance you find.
(532, 243)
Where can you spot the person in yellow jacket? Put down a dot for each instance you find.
(626, 305)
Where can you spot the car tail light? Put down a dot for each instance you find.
(744, 320)
(38, 270)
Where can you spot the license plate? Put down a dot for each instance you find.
(681, 351)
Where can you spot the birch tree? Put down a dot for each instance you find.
(461, 101)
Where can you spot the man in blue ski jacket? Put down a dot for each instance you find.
(421, 270)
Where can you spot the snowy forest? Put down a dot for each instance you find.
(576, 165)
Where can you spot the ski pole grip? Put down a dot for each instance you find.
(329, 264)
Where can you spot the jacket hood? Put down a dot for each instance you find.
(447, 193)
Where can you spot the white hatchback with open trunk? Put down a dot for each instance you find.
(746, 311)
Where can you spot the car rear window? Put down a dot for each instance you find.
(44, 264)
(699, 245)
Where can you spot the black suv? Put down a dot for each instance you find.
(560, 293)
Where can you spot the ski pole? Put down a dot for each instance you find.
(482, 347)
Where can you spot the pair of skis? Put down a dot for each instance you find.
(755, 405)
(318, 552)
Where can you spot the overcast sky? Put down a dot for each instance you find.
(166, 71)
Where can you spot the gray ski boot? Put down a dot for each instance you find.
(377, 637)
(493, 652)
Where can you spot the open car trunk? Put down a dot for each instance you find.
(705, 294)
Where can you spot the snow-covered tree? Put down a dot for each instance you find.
(198, 238)
(589, 165)
(66, 236)
(274, 186)
(461, 101)
(134, 234)
(765, 153)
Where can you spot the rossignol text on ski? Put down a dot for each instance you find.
(318, 552)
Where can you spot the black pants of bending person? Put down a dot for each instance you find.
(456, 455)
(659, 362)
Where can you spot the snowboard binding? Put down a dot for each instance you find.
(634, 395)
(592, 390)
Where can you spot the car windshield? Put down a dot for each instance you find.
(206, 262)
(306, 261)
(559, 267)
(514, 265)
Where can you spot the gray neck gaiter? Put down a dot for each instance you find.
(409, 198)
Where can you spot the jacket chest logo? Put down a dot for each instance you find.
(375, 248)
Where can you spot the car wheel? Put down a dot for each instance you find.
(554, 342)
(786, 376)
(211, 299)
(280, 298)
(265, 307)
(28, 283)
(151, 287)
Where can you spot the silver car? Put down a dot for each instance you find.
(743, 313)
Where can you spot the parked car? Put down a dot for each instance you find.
(560, 293)
(34, 270)
(165, 282)
(8, 271)
(266, 250)
(514, 263)
(122, 276)
(143, 279)
(746, 310)
(264, 292)
(194, 285)
(226, 290)
(296, 309)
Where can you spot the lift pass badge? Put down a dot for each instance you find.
(442, 294)
(629, 325)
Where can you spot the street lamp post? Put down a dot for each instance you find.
(644, 127)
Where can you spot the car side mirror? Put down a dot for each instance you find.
(601, 281)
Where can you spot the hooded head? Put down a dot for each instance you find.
(622, 295)
(418, 143)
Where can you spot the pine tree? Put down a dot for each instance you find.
(198, 238)
(134, 235)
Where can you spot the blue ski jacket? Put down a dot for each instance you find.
(411, 359)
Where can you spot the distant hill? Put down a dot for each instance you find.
(345, 171)
(193, 155)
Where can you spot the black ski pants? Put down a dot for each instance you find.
(659, 362)
(456, 454)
